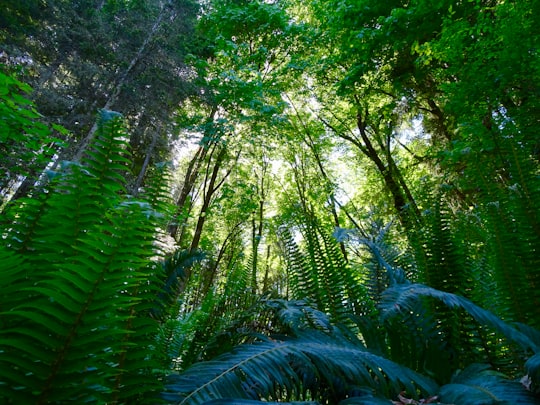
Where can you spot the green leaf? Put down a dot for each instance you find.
(400, 299)
(476, 385)
(265, 363)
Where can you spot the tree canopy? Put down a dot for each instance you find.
(250, 201)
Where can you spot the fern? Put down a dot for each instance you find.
(502, 176)
(210, 320)
(301, 281)
(477, 385)
(321, 276)
(157, 191)
(176, 270)
(79, 329)
(533, 372)
(275, 369)
(323, 361)
(402, 299)
(253, 402)
(513, 259)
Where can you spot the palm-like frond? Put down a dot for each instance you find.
(320, 274)
(477, 385)
(228, 401)
(533, 372)
(402, 299)
(176, 268)
(290, 368)
(363, 400)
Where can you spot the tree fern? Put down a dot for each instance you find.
(413, 339)
(176, 268)
(300, 280)
(229, 401)
(79, 329)
(533, 373)
(512, 242)
(211, 319)
(503, 176)
(417, 336)
(324, 362)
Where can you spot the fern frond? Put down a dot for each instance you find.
(86, 284)
(157, 190)
(402, 299)
(299, 316)
(533, 371)
(302, 283)
(287, 368)
(366, 397)
(320, 275)
(477, 385)
(225, 319)
(83, 318)
(176, 268)
(254, 402)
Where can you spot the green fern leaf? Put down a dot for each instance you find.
(256, 370)
(401, 299)
(80, 260)
(533, 372)
(477, 385)
(253, 402)
(366, 400)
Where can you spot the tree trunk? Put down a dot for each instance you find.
(207, 198)
(190, 178)
(113, 98)
(257, 229)
(146, 163)
(404, 205)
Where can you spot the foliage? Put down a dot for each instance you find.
(320, 275)
(26, 144)
(77, 286)
(81, 56)
(325, 362)
(304, 117)
(317, 362)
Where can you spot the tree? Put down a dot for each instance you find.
(388, 64)
(358, 180)
(114, 55)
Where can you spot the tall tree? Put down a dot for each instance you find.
(116, 55)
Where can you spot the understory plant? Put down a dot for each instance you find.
(395, 352)
(78, 284)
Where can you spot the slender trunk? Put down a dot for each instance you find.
(212, 271)
(35, 177)
(144, 168)
(207, 198)
(230, 236)
(332, 202)
(257, 229)
(254, 254)
(190, 178)
(266, 280)
(332, 198)
(399, 196)
(113, 98)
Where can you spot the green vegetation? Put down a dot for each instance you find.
(245, 202)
